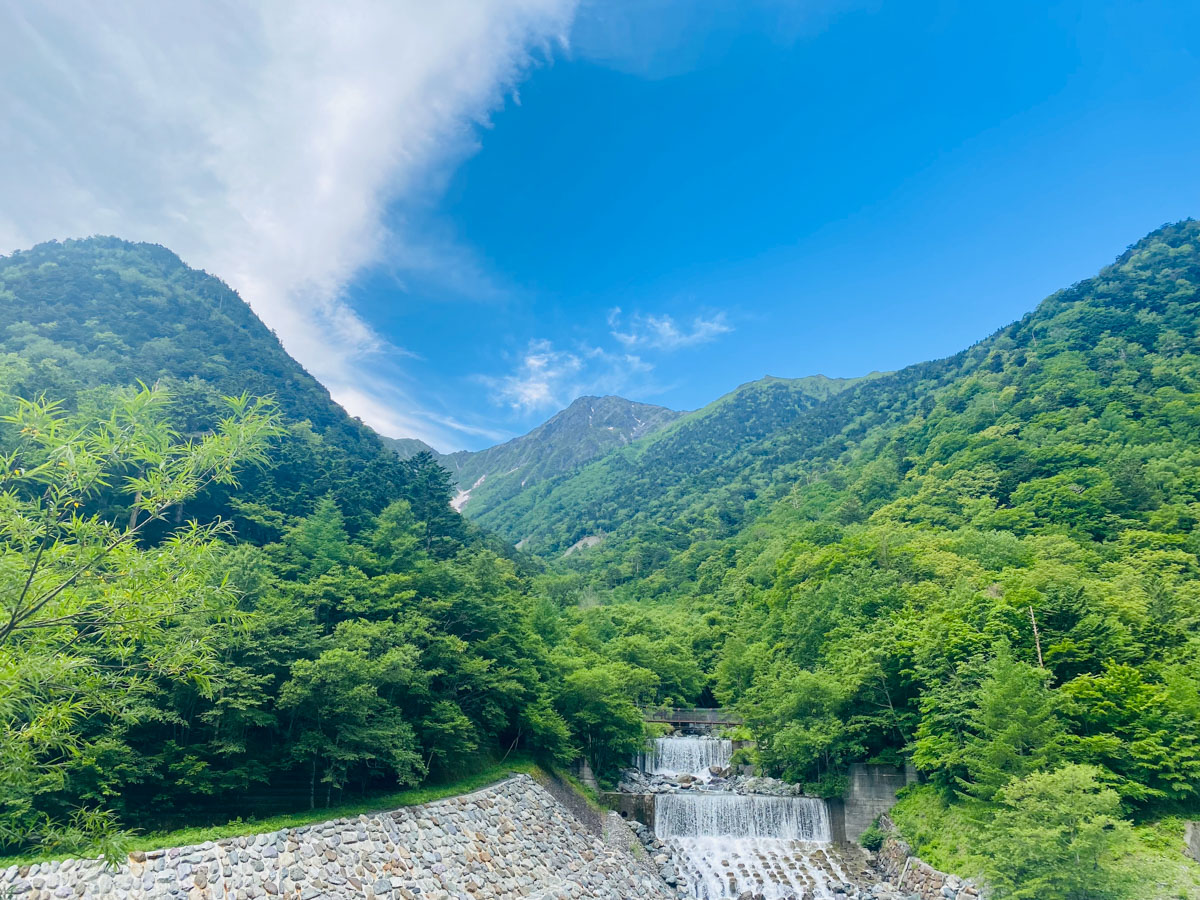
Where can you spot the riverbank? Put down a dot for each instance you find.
(490, 775)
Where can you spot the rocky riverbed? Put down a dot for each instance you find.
(718, 778)
(845, 872)
(508, 841)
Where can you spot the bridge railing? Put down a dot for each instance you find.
(691, 716)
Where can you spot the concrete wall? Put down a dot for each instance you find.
(511, 840)
(639, 807)
(872, 792)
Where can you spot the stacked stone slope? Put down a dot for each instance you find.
(512, 840)
(920, 880)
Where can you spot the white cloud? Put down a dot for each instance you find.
(395, 420)
(662, 333)
(261, 141)
(548, 378)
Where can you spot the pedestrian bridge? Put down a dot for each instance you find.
(691, 716)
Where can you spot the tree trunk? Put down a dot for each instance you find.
(312, 785)
(133, 513)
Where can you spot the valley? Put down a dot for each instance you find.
(229, 599)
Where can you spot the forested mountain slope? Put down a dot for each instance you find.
(585, 430)
(81, 314)
(697, 473)
(988, 565)
(349, 631)
(407, 448)
(650, 503)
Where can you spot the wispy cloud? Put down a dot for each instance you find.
(264, 142)
(661, 332)
(546, 377)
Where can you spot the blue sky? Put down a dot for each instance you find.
(862, 189)
(461, 215)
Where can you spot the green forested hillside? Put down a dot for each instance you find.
(215, 607)
(585, 430)
(697, 474)
(989, 565)
(220, 596)
(81, 315)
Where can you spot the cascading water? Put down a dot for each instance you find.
(727, 843)
(686, 756)
(716, 868)
(741, 816)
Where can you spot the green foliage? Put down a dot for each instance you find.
(597, 703)
(338, 629)
(1009, 730)
(941, 829)
(80, 317)
(343, 715)
(987, 565)
(872, 839)
(1058, 836)
(160, 676)
(89, 617)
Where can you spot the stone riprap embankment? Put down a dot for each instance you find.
(508, 841)
(918, 879)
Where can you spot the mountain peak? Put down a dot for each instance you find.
(586, 429)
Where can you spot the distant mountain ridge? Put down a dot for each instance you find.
(587, 429)
(713, 474)
(406, 448)
(673, 473)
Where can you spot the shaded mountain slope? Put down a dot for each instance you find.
(85, 315)
(589, 428)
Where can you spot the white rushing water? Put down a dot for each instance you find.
(713, 814)
(727, 843)
(686, 756)
(722, 867)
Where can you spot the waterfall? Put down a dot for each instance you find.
(720, 868)
(686, 756)
(727, 843)
(741, 816)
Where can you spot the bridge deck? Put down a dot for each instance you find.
(692, 716)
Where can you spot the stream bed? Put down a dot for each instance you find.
(725, 843)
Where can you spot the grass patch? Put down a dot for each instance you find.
(185, 837)
(1159, 857)
(590, 796)
(938, 833)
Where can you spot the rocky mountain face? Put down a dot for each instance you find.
(586, 430)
